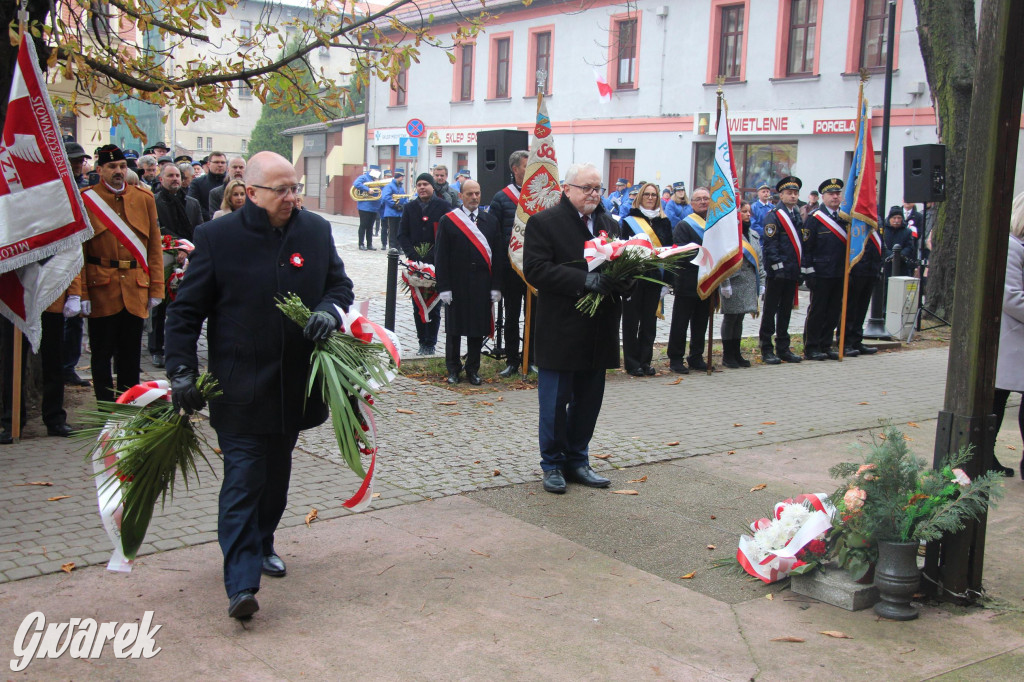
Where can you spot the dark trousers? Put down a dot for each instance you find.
(7, 375)
(1000, 397)
(513, 297)
(823, 313)
(570, 403)
(858, 301)
(392, 224)
(688, 312)
(116, 338)
(732, 326)
(253, 496)
(426, 332)
(366, 221)
(778, 307)
(156, 334)
(453, 353)
(639, 325)
(73, 327)
(51, 358)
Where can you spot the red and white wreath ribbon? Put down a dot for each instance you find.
(108, 493)
(703, 258)
(421, 279)
(776, 564)
(602, 249)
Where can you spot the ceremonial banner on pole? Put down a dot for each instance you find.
(860, 198)
(42, 219)
(540, 185)
(723, 234)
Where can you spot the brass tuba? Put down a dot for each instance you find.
(374, 194)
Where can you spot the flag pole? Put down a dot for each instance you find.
(849, 227)
(542, 77)
(714, 295)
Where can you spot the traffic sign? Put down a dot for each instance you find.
(408, 146)
(415, 127)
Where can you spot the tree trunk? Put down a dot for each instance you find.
(947, 33)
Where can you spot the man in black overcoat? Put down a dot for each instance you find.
(419, 223)
(260, 358)
(573, 349)
(469, 261)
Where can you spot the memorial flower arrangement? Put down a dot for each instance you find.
(894, 496)
(420, 280)
(622, 260)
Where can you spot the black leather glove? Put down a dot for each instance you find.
(185, 394)
(319, 326)
(624, 287)
(598, 283)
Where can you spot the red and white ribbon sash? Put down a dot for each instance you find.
(826, 220)
(512, 192)
(472, 232)
(355, 324)
(117, 226)
(602, 248)
(794, 236)
(876, 240)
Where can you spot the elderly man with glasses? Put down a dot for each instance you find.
(573, 349)
(242, 263)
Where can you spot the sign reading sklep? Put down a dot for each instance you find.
(82, 638)
(792, 122)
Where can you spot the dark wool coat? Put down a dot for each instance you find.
(178, 214)
(419, 225)
(239, 268)
(567, 339)
(462, 270)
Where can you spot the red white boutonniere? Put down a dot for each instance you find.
(296, 260)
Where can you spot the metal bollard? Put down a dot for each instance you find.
(391, 300)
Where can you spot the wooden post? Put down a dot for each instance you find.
(526, 334)
(989, 170)
(713, 298)
(849, 229)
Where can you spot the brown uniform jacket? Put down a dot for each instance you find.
(111, 289)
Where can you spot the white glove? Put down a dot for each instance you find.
(73, 306)
(446, 297)
(760, 290)
(154, 302)
(86, 308)
(726, 290)
(664, 292)
(495, 296)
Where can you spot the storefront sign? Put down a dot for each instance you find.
(388, 136)
(458, 136)
(791, 122)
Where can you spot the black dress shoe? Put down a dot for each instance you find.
(554, 482)
(59, 430)
(474, 378)
(789, 356)
(273, 566)
(866, 350)
(650, 371)
(74, 380)
(697, 364)
(6, 438)
(371, 248)
(814, 355)
(678, 368)
(850, 352)
(158, 359)
(831, 354)
(637, 372)
(362, 248)
(769, 357)
(243, 605)
(508, 371)
(534, 369)
(585, 475)
(453, 378)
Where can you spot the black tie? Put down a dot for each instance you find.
(472, 216)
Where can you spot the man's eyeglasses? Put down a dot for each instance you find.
(283, 191)
(587, 189)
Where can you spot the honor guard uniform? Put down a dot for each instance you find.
(863, 276)
(824, 270)
(782, 246)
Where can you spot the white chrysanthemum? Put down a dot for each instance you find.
(639, 250)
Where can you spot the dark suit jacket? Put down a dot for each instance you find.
(240, 266)
(462, 270)
(567, 339)
(419, 226)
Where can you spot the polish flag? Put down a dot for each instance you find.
(603, 89)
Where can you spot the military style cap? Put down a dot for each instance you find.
(831, 185)
(679, 186)
(183, 158)
(109, 153)
(763, 185)
(622, 181)
(131, 155)
(160, 145)
(464, 173)
(635, 189)
(399, 173)
(789, 182)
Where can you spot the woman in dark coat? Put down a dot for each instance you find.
(900, 241)
(639, 312)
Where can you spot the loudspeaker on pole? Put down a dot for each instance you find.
(493, 147)
(924, 173)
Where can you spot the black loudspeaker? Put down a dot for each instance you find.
(924, 173)
(493, 147)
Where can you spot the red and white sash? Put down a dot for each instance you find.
(794, 236)
(832, 225)
(472, 232)
(512, 192)
(876, 240)
(117, 226)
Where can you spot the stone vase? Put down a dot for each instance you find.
(897, 578)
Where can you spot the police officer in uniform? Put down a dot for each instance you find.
(782, 245)
(824, 269)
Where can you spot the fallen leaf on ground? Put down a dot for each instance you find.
(673, 383)
(218, 451)
(409, 392)
(913, 424)
(673, 443)
(688, 576)
(759, 486)
(68, 567)
(497, 472)
(402, 411)
(476, 461)
(479, 553)
(711, 547)
(1008, 447)
(737, 424)
(882, 436)
(713, 517)
(789, 639)
(864, 403)
(448, 402)
(452, 414)
(47, 483)
(625, 492)
(58, 497)
(375, 495)
(484, 402)
(836, 634)
(311, 516)
(760, 433)
(906, 437)
(731, 452)
(603, 456)
(637, 480)
(428, 433)
(770, 596)
(768, 423)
